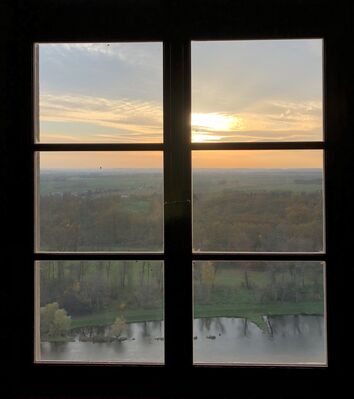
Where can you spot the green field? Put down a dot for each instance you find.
(253, 313)
(253, 210)
(227, 297)
(296, 180)
(205, 181)
(123, 183)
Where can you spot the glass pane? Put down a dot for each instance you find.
(100, 92)
(261, 90)
(100, 201)
(97, 311)
(259, 313)
(258, 201)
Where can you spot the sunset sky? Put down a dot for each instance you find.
(241, 91)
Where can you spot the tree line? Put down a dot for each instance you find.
(225, 221)
(85, 287)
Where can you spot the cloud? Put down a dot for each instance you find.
(277, 116)
(55, 138)
(130, 119)
(127, 120)
(267, 120)
(253, 136)
(138, 54)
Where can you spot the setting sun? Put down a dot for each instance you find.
(204, 126)
(215, 121)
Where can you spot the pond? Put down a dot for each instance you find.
(289, 339)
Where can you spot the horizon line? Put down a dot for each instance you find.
(158, 168)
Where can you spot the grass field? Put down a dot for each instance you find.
(80, 182)
(297, 180)
(205, 181)
(228, 298)
(253, 313)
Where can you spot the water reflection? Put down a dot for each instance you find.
(142, 342)
(278, 340)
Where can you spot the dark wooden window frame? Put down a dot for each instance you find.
(177, 24)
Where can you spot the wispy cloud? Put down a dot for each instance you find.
(55, 138)
(144, 54)
(268, 120)
(132, 120)
(141, 121)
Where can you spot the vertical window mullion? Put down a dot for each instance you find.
(177, 207)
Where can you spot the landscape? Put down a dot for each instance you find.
(113, 310)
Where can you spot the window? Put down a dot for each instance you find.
(260, 200)
(177, 27)
(248, 198)
(107, 202)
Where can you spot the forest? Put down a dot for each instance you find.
(232, 211)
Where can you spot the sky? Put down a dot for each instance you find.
(241, 91)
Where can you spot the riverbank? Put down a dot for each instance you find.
(252, 312)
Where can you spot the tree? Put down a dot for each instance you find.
(55, 322)
(47, 317)
(208, 273)
(118, 327)
(61, 323)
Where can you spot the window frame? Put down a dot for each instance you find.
(179, 25)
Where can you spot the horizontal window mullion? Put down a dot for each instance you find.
(266, 256)
(99, 256)
(300, 145)
(99, 147)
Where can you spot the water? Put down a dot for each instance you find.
(143, 345)
(287, 340)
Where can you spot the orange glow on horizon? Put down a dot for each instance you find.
(258, 159)
(97, 160)
(201, 159)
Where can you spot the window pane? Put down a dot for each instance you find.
(98, 311)
(100, 201)
(261, 90)
(258, 201)
(259, 313)
(100, 92)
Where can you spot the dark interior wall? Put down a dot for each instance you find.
(24, 22)
(149, 19)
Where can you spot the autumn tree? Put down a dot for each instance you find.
(54, 322)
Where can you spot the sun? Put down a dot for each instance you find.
(213, 121)
(203, 138)
(205, 125)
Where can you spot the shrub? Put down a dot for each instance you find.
(55, 322)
